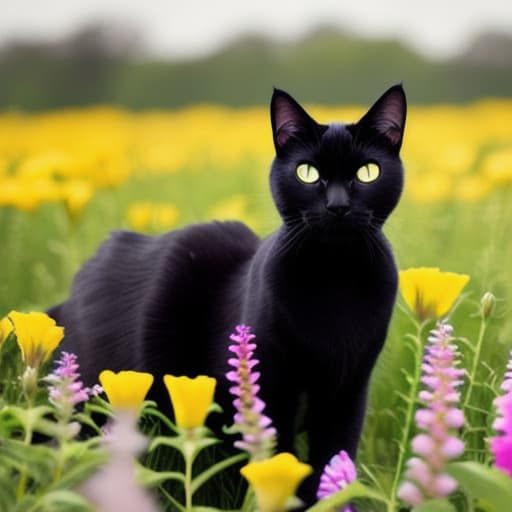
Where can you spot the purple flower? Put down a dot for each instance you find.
(66, 390)
(338, 473)
(501, 445)
(439, 420)
(258, 436)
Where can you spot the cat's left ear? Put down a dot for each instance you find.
(386, 118)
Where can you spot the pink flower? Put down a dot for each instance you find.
(338, 473)
(66, 390)
(501, 445)
(258, 435)
(114, 486)
(437, 443)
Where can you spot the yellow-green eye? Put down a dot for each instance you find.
(368, 173)
(307, 173)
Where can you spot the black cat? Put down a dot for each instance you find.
(318, 292)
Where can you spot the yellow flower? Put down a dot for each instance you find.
(233, 208)
(5, 329)
(190, 399)
(76, 195)
(139, 216)
(142, 216)
(165, 216)
(126, 389)
(429, 292)
(37, 334)
(275, 480)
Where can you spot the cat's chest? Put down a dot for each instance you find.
(337, 299)
(348, 296)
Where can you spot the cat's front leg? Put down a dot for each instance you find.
(280, 392)
(334, 422)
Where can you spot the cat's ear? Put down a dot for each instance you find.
(289, 120)
(386, 117)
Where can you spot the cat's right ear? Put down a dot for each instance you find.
(289, 121)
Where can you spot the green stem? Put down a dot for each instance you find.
(408, 425)
(470, 503)
(60, 462)
(476, 359)
(471, 379)
(22, 483)
(248, 500)
(188, 452)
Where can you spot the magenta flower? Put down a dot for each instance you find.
(258, 436)
(66, 390)
(338, 473)
(439, 420)
(501, 445)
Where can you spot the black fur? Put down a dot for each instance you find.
(318, 293)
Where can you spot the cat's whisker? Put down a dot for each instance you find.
(373, 243)
(292, 236)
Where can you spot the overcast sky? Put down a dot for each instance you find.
(192, 27)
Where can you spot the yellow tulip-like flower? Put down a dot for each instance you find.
(126, 389)
(429, 292)
(37, 334)
(190, 399)
(275, 480)
(5, 329)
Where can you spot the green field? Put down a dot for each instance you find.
(42, 248)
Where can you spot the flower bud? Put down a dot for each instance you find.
(487, 302)
(29, 382)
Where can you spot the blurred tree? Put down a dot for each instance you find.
(105, 63)
(490, 49)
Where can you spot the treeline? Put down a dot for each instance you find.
(101, 65)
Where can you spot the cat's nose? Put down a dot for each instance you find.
(338, 199)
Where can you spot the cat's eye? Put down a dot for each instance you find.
(368, 173)
(307, 173)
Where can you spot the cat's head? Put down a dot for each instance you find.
(337, 176)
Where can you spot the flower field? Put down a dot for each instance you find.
(67, 178)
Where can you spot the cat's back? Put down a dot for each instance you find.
(140, 291)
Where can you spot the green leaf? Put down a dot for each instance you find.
(11, 367)
(177, 442)
(175, 503)
(353, 490)
(484, 483)
(7, 491)
(33, 418)
(99, 406)
(441, 505)
(152, 411)
(211, 471)
(79, 466)
(210, 509)
(215, 407)
(201, 444)
(149, 478)
(85, 419)
(38, 460)
(65, 501)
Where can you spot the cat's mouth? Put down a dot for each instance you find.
(340, 221)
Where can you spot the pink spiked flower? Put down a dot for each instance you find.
(338, 473)
(258, 435)
(66, 390)
(439, 420)
(501, 445)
